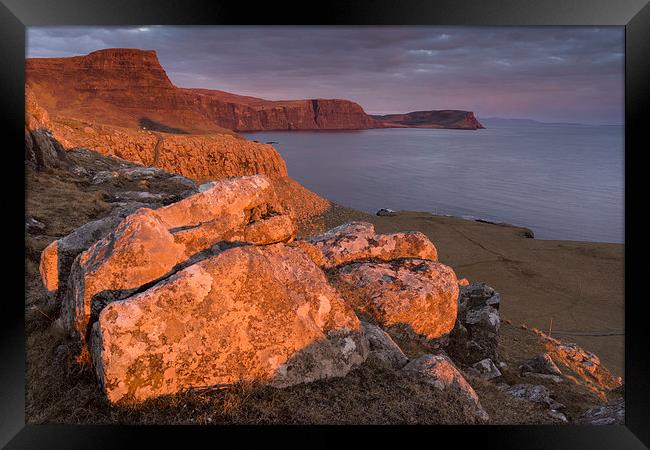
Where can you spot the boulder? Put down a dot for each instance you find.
(43, 150)
(383, 350)
(531, 393)
(477, 295)
(441, 372)
(138, 251)
(386, 212)
(58, 256)
(474, 337)
(541, 364)
(357, 241)
(485, 369)
(585, 364)
(613, 413)
(413, 293)
(34, 226)
(247, 313)
(149, 244)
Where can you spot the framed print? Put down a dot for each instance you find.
(266, 220)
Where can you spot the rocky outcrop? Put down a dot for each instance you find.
(485, 369)
(42, 149)
(248, 313)
(150, 243)
(475, 334)
(357, 241)
(583, 363)
(200, 157)
(613, 413)
(541, 364)
(129, 88)
(463, 120)
(383, 350)
(57, 258)
(532, 393)
(412, 294)
(441, 372)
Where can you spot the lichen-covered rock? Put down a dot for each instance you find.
(150, 243)
(42, 148)
(485, 369)
(474, 337)
(583, 361)
(248, 313)
(415, 293)
(478, 295)
(138, 251)
(58, 256)
(541, 364)
(613, 413)
(357, 241)
(383, 350)
(441, 372)
(531, 393)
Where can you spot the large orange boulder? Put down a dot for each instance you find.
(418, 294)
(58, 256)
(357, 241)
(248, 313)
(148, 244)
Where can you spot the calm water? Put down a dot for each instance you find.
(562, 181)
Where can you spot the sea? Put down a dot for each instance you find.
(563, 181)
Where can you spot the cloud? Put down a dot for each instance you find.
(546, 73)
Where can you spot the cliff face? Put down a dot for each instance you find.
(129, 88)
(431, 119)
(201, 157)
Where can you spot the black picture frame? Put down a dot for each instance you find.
(15, 15)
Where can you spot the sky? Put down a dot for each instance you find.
(550, 74)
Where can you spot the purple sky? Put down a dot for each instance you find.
(569, 74)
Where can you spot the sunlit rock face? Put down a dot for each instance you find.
(148, 244)
(357, 241)
(263, 313)
(417, 294)
(57, 258)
